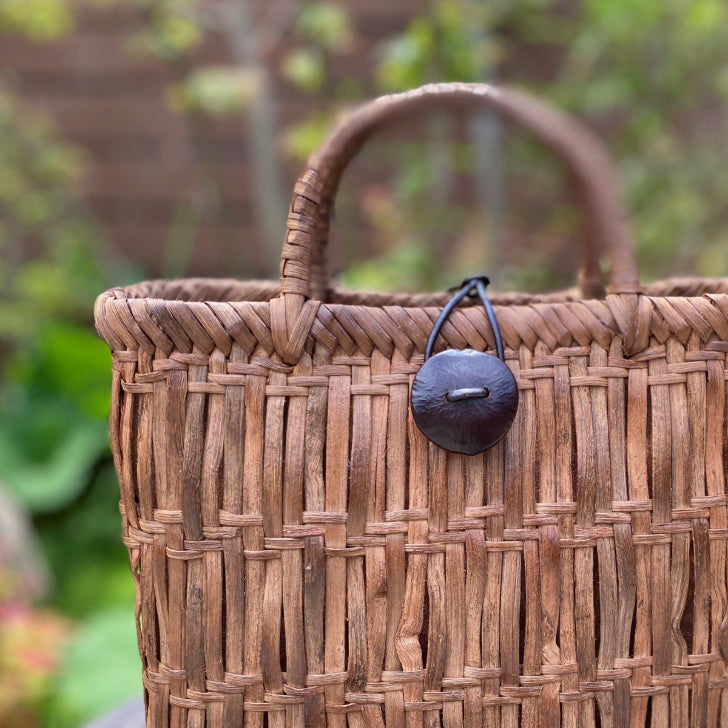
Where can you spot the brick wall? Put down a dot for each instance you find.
(148, 168)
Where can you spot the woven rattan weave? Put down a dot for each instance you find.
(303, 556)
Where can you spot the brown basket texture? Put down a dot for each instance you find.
(303, 556)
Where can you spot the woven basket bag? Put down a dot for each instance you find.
(305, 557)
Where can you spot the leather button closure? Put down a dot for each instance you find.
(464, 401)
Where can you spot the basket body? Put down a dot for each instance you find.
(303, 556)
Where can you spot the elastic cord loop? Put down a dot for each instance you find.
(468, 288)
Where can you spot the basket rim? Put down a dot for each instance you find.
(132, 319)
(232, 290)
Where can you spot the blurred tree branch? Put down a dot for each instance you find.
(247, 41)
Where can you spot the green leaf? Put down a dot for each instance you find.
(385, 272)
(304, 68)
(404, 60)
(327, 25)
(306, 136)
(83, 547)
(216, 91)
(48, 485)
(67, 362)
(172, 29)
(179, 33)
(55, 405)
(39, 20)
(102, 668)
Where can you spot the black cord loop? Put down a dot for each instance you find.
(469, 288)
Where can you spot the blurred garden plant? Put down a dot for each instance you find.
(649, 75)
(31, 639)
(53, 430)
(31, 646)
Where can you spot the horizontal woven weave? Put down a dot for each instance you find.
(572, 571)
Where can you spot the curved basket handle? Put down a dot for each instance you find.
(583, 154)
(303, 269)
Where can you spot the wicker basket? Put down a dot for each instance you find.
(303, 556)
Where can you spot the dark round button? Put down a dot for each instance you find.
(464, 401)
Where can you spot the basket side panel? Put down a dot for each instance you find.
(303, 556)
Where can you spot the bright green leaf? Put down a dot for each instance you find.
(171, 30)
(39, 20)
(326, 24)
(216, 91)
(102, 668)
(403, 63)
(384, 273)
(56, 481)
(306, 136)
(304, 68)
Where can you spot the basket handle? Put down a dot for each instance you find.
(303, 269)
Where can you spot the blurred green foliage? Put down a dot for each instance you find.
(454, 42)
(101, 665)
(40, 20)
(54, 392)
(169, 29)
(214, 91)
(327, 25)
(656, 72)
(651, 75)
(55, 403)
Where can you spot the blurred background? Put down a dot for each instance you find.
(148, 138)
